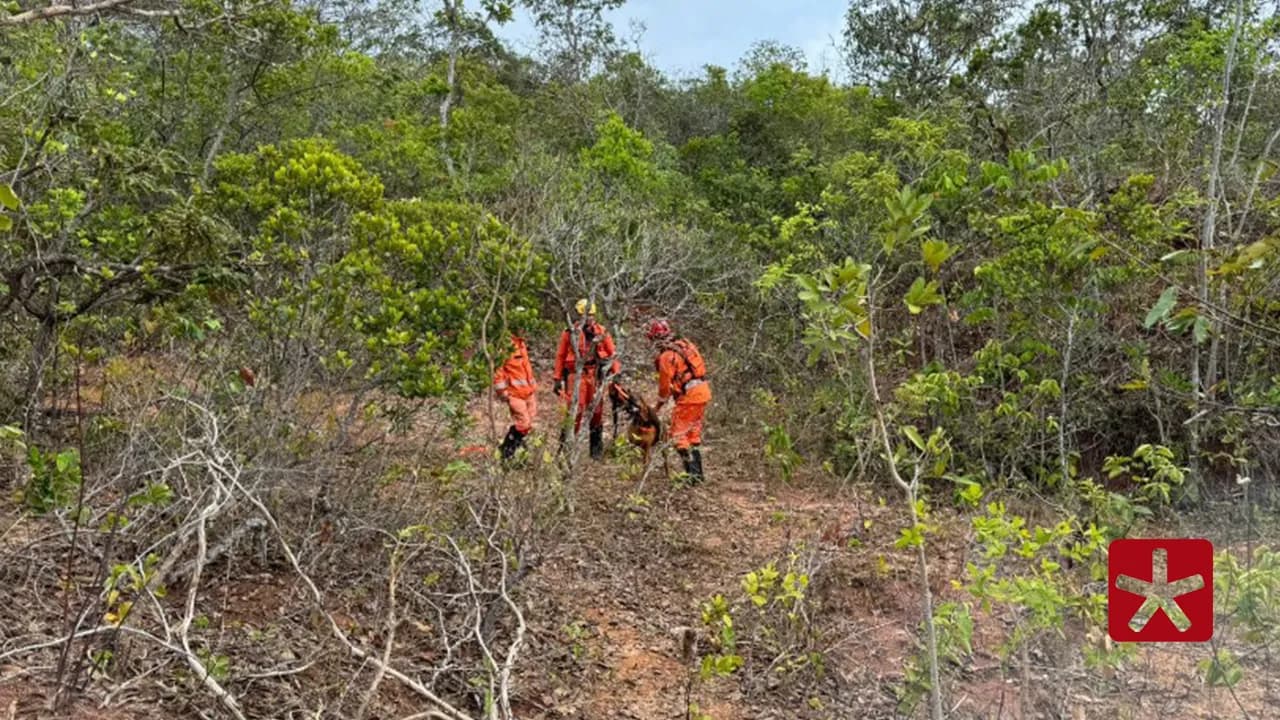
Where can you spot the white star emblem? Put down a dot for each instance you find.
(1160, 592)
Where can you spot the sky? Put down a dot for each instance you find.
(680, 36)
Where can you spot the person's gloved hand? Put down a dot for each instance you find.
(558, 388)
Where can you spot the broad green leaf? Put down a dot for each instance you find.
(853, 304)
(848, 272)
(1162, 307)
(8, 198)
(936, 252)
(1182, 320)
(964, 622)
(1251, 257)
(1200, 330)
(922, 295)
(864, 328)
(913, 435)
(64, 460)
(807, 283)
(6, 223)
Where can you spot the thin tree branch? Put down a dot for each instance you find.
(56, 11)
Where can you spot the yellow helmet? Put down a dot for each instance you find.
(585, 307)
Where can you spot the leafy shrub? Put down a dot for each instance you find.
(768, 628)
(55, 478)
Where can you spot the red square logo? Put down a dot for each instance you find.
(1160, 590)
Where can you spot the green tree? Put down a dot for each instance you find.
(914, 47)
(346, 284)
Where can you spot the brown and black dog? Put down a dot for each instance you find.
(645, 429)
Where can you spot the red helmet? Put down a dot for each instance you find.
(658, 329)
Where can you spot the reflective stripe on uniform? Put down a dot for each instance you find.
(695, 382)
(518, 383)
(500, 386)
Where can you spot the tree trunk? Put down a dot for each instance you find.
(1208, 232)
(35, 374)
(930, 632)
(1062, 407)
(909, 489)
(451, 79)
(219, 135)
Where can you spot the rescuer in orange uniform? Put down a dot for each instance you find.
(682, 374)
(514, 384)
(596, 349)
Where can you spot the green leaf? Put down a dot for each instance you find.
(913, 435)
(912, 537)
(964, 623)
(6, 223)
(1222, 670)
(971, 494)
(922, 295)
(1182, 320)
(8, 198)
(1162, 307)
(1200, 330)
(64, 460)
(936, 252)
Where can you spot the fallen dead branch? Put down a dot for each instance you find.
(447, 710)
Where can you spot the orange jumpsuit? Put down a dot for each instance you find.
(595, 354)
(676, 378)
(514, 383)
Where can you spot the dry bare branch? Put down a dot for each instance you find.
(447, 709)
(52, 12)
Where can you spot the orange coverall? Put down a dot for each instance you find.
(675, 377)
(514, 383)
(604, 351)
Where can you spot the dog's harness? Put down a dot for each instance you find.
(626, 399)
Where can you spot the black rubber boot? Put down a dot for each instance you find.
(687, 459)
(511, 443)
(597, 443)
(695, 465)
